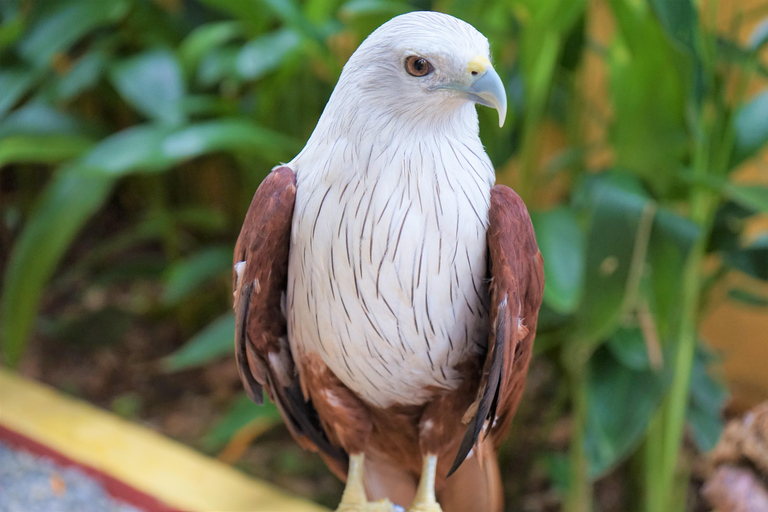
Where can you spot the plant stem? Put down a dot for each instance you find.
(580, 487)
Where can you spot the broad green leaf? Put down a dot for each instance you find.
(205, 38)
(730, 220)
(611, 237)
(216, 340)
(39, 118)
(707, 400)
(80, 188)
(137, 148)
(752, 196)
(187, 275)
(14, 83)
(672, 239)
(266, 53)
(752, 260)
(153, 83)
(11, 29)
(561, 242)
(64, 206)
(628, 346)
(747, 297)
(231, 134)
(290, 14)
(241, 414)
(42, 148)
(64, 26)
(83, 76)
(356, 8)
(751, 127)
(622, 402)
(248, 12)
(649, 86)
(759, 36)
(679, 19)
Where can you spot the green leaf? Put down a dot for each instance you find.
(649, 84)
(628, 346)
(14, 83)
(229, 134)
(242, 412)
(357, 8)
(611, 237)
(216, 340)
(751, 127)
(751, 196)
(672, 239)
(57, 31)
(561, 242)
(749, 298)
(679, 19)
(64, 206)
(707, 400)
(11, 30)
(79, 189)
(266, 53)
(205, 38)
(752, 260)
(153, 83)
(187, 275)
(39, 118)
(290, 14)
(42, 148)
(83, 76)
(622, 402)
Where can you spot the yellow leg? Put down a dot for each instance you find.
(354, 498)
(425, 495)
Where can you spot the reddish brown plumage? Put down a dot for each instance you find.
(323, 414)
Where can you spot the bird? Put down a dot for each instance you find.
(386, 290)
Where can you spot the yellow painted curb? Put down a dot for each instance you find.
(174, 474)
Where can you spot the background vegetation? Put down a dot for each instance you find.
(133, 134)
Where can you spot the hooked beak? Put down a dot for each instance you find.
(482, 85)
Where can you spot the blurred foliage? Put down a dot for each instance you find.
(172, 111)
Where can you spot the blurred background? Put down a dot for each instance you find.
(133, 134)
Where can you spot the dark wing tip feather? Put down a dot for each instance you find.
(486, 410)
(253, 389)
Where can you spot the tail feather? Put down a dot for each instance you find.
(476, 484)
(384, 479)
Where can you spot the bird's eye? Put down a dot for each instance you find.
(418, 66)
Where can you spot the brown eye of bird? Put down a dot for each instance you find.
(418, 66)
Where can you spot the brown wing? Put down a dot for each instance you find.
(263, 353)
(517, 286)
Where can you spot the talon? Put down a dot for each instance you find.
(425, 500)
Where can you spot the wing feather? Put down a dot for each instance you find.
(517, 286)
(264, 358)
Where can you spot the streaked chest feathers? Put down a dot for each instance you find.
(386, 279)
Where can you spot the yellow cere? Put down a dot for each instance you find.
(478, 64)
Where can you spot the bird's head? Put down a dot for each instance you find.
(422, 65)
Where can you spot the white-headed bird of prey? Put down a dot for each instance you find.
(386, 292)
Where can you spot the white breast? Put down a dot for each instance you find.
(386, 280)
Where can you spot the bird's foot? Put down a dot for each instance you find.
(425, 500)
(354, 498)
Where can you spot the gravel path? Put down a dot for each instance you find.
(29, 483)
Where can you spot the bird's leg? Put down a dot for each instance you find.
(425, 495)
(354, 498)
